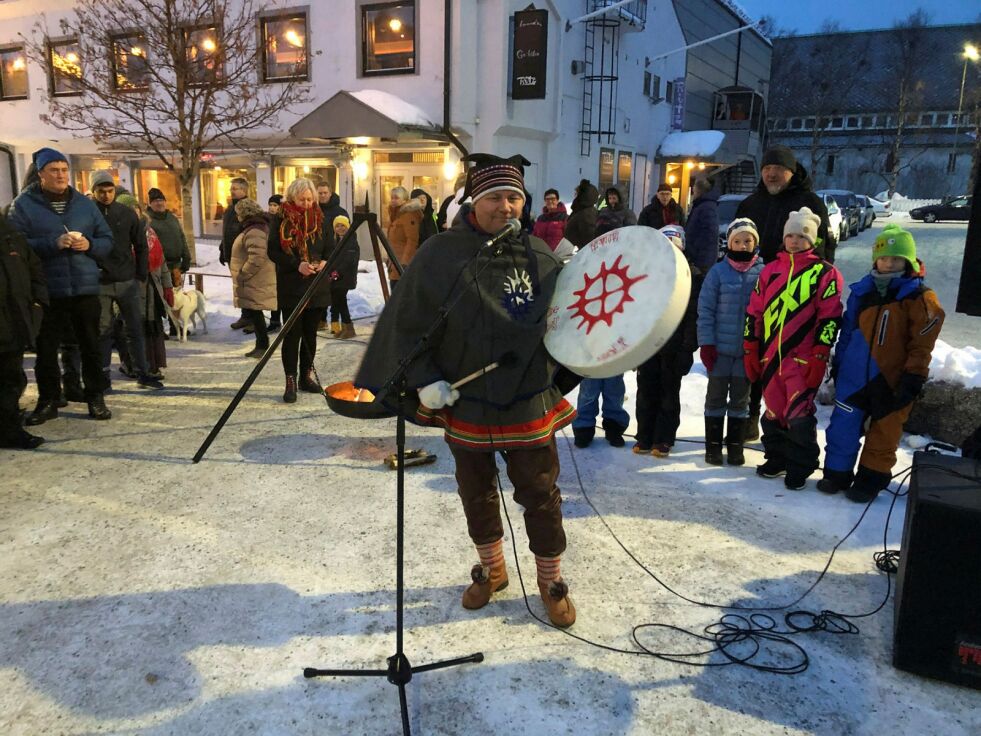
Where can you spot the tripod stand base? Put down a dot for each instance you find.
(399, 673)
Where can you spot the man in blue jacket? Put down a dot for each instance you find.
(70, 236)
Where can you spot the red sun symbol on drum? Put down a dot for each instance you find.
(603, 295)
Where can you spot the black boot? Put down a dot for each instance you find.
(734, 440)
(867, 485)
(774, 449)
(73, 389)
(44, 411)
(802, 453)
(752, 428)
(713, 439)
(614, 432)
(289, 396)
(309, 384)
(834, 481)
(583, 436)
(21, 440)
(98, 409)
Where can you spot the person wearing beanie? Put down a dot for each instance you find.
(783, 188)
(343, 279)
(427, 226)
(253, 274)
(881, 362)
(791, 324)
(663, 210)
(274, 203)
(124, 275)
(722, 307)
(581, 226)
(498, 315)
(659, 378)
(66, 230)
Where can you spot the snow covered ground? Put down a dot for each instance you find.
(141, 594)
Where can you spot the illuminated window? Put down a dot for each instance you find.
(285, 47)
(64, 67)
(13, 73)
(204, 54)
(388, 38)
(130, 69)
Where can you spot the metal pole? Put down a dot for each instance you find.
(957, 122)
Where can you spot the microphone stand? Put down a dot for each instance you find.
(399, 671)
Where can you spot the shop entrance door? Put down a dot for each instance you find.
(410, 176)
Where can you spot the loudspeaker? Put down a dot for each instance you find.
(937, 619)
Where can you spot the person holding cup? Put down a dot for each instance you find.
(299, 245)
(71, 237)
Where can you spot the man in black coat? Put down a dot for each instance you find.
(784, 188)
(22, 293)
(702, 230)
(662, 210)
(123, 279)
(581, 227)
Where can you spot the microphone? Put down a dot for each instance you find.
(493, 243)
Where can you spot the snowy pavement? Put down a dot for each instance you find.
(141, 594)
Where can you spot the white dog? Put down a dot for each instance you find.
(188, 307)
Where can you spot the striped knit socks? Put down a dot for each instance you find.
(548, 569)
(492, 554)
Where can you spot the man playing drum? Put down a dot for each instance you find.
(504, 296)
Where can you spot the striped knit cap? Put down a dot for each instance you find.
(494, 174)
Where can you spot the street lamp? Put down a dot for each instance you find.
(971, 53)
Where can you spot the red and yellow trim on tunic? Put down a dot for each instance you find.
(528, 435)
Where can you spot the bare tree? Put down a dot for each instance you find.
(171, 78)
(768, 27)
(912, 49)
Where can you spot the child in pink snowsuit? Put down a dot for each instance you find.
(791, 324)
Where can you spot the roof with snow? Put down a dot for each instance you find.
(366, 113)
(859, 71)
(691, 144)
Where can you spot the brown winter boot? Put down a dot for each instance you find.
(486, 581)
(347, 332)
(558, 604)
(335, 327)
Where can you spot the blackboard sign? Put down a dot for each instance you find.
(530, 44)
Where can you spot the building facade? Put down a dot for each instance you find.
(400, 91)
(842, 117)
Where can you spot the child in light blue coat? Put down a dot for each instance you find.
(721, 317)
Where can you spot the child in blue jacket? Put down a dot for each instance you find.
(721, 316)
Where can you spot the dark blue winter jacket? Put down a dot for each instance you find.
(702, 232)
(722, 306)
(68, 272)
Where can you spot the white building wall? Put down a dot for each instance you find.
(486, 119)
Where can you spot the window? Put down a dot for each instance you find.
(796, 123)
(216, 194)
(203, 54)
(129, 63)
(606, 169)
(13, 73)
(388, 38)
(926, 119)
(836, 123)
(624, 169)
(853, 121)
(652, 86)
(285, 47)
(829, 164)
(64, 68)
(669, 93)
(868, 121)
(809, 123)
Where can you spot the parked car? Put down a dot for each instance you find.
(958, 208)
(836, 225)
(728, 204)
(851, 211)
(883, 208)
(868, 211)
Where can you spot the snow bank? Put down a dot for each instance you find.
(961, 366)
(394, 107)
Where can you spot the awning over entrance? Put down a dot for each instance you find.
(693, 144)
(367, 114)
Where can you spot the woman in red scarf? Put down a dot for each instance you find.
(299, 245)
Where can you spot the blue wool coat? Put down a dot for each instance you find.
(68, 272)
(722, 308)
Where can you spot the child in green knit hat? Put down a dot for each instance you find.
(881, 362)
